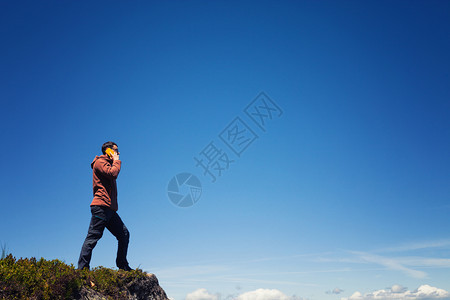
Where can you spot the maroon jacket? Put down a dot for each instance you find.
(105, 172)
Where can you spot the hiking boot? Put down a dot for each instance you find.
(126, 268)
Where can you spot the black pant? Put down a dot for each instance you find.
(104, 217)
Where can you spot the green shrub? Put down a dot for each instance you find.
(31, 279)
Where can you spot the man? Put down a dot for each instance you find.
(104, 207)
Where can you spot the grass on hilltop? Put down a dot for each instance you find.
(27, 278)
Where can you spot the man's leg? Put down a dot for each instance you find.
(95, 232)
(120, 231)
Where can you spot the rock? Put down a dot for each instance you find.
(90, 294)
(147, 288)
(138, 289)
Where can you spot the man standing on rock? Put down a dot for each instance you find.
(104, 207)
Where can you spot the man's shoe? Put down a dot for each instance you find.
(126, 268)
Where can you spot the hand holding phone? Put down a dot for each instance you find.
(112, 154)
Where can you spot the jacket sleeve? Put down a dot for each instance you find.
(105, 168)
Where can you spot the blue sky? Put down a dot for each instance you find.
(347, 191)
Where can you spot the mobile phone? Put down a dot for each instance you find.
(110, 152)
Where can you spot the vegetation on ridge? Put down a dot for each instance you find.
(27, 278)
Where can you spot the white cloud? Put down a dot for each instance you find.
(297, 298)
(425, 262)
(415, 266)
(263, 294)
(396, 288)
(201, 294)
(259, 294)
(398, 292)
(335, 291)
(390, 263)
(418, 246)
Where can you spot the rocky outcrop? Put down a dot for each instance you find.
(29, 278)
(139, 288)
